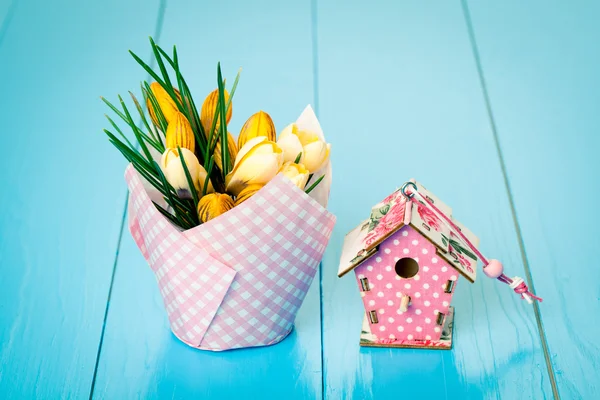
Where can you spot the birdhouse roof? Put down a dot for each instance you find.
(394, 212)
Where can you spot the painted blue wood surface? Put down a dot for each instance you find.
(544, 88)
(403, 75)
(140, 357)
(7, 10)
(400, 73)
(62, 197)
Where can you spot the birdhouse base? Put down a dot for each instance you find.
(367, 339)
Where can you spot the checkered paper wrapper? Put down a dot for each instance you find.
(239, 279)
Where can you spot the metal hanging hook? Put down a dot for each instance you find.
(403, 189)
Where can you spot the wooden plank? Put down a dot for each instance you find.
(543, 83)
(62, 197)
(400, 98)
(271, 41)
(7, 9)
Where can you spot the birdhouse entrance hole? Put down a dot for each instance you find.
(406, 267)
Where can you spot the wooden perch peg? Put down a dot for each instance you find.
(404, 303)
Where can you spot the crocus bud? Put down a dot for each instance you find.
(257, 162)
(202, 177)
(233, 151)
(260, 124)
(294, 141)
(179, 133)
(247, 192)
(172, 168)
(297, 173)
(165, 102)
(212, 205)
(208, 111)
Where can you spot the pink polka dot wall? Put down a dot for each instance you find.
(426, 289)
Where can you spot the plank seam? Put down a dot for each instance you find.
(315, 68)
(110, 289)
(7, 20)
(157, 33)
(524, 258)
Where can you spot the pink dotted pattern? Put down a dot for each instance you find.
(426, 288)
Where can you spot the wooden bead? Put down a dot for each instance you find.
(494, 269)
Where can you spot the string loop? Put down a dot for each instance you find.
(516, 283)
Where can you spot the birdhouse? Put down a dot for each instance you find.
(407, 262)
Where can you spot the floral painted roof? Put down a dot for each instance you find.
(391, 214)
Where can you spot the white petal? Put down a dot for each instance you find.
(291, 146)
(288, 131)
(247, 147)
(173, 168)
(315, 155)
(260, 168)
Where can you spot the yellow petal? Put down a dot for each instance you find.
(307, 137)
(202, 176)
(248, 192)
(208, 111)
(179, 133)
(233, 151)
(212, 205)
(260, 124)
(165, 102)
(297, 173)
(291, 129)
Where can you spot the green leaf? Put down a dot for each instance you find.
(314, 185)
(212, 142)
(209, 171)
(136, 131)
(159, 144)
(132, 155)
(298, 157)
(149, 95)
(118, 130)
(169, 195)
(115, 109)
(191, 112)
(459, 247)
(147, 68)
(163, 70)
(189, 178)
(127, 118)
(167, 214)
(223, 124)
(145, 168)
(232, 92)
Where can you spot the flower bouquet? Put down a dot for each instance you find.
(234, 230)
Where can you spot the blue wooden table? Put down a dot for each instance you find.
(494, 106)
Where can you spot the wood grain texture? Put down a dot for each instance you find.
(7, 10)
(543, 84)
(400, 98)
(140, 356)
(61, 198)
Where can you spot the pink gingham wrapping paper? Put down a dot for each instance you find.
(239, 279)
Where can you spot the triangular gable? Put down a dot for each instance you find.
(353, 252)
(386, 218)
(426, 222)
(391, 214)
(449, 245)
(459, 255)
